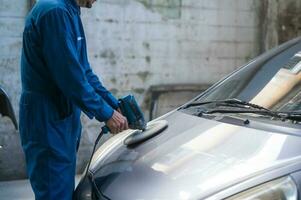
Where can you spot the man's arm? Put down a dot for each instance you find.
(100, 89)
(61, 57)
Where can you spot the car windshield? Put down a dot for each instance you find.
(272, 81)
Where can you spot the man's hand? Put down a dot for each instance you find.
(117, 123)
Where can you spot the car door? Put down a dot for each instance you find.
(6, 108)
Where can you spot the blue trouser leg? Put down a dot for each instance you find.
(50, 151)
(51, 177)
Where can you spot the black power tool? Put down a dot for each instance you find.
(130, 109)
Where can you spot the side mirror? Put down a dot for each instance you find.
(6, 108)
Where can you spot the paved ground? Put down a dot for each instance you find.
(18, 190)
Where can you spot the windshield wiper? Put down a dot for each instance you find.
(246, 108)
(280, 115)
(228, 102)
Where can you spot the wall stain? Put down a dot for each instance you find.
(114, 91)
(111, 21)
(110, 55)
(143, 75)
(170, 9)
(9, 65)
(146, 45)
(113, 80)
(148, 59)
(139, 90)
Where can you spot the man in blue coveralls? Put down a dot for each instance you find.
(57, 83)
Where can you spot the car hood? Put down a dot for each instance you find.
(192, 159)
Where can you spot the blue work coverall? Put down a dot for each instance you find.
(57, 84)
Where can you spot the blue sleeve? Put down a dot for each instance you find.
(100, 89)
(62, 61)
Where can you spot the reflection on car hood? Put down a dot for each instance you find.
(193, 158)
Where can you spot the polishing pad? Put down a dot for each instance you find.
(152, 129)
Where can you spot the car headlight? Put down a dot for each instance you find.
(279, 189)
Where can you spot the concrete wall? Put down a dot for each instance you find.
(281, 22)
(12, 14)
(134, 44)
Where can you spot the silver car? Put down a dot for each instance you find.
(240, 139)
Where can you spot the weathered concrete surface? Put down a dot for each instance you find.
(170, 9)
(269, 24)
(12, 13)
(289, 25)
(12, 162)
(281, 22)
(133, 45)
